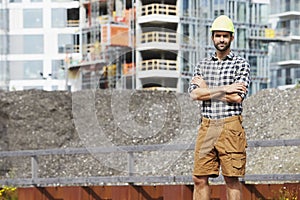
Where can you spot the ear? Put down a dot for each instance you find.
(232, 38)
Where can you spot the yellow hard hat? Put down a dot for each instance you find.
(222, 23)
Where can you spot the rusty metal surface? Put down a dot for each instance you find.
(159, 192)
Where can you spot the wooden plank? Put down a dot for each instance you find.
(97, 192)
(124, 193)
(30, 194)
(177, 192)
(160, 192)
(151, 192)
(218, 192)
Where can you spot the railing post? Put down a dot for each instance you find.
(34, 167)
(130, 163)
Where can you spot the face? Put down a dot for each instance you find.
(222, 40)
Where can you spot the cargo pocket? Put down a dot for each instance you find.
(238, 161)
(235, 138)
(235, 141)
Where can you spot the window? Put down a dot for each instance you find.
(26, 70)
(241, 12)
(185, 7)
(73, 17)
(185, 62)
(57, 69)
(59, 17)
(295, 27)
(241, 38)
(15, 1)
(33, 18)
(32, 69)
(16, 44)
(33, 44)
(26, 44)
(36, 1)
(64, 40)
(253, 65)
(3, 44)
(263, 85)
(3, 70)
(4, 19)
(297, 75)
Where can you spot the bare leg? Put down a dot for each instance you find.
(233, 186)
(201, 188)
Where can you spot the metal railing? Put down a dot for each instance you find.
(130, 179)
(156, 36)
(73, 23)
(159, 64)
(159, 9)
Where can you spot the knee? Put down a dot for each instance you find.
(200, 181)
(232, 182)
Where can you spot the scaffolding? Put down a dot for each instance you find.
(157, 44)
(105, 43)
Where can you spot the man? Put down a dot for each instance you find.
(221, 82)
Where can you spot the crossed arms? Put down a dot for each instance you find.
(228, 93)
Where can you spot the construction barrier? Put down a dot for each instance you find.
(290, 191)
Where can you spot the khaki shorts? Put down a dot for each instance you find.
(220, 142)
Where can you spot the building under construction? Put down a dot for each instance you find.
(155, 44)
(124, 44)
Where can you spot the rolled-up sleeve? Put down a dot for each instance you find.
(197, 72)
(243, 76)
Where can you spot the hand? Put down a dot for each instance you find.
(198, 80)
(236, 87)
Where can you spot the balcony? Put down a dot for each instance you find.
(159, 64)
(158, 40)
(158, 68)
(278, 35)
(158, 13)
(286, 55)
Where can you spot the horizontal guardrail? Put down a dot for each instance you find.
(145, 180)
(160, 9)
(137, 148)
(159, 64)
(35, 180)
(158, 36)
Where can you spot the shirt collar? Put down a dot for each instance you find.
(229, 56)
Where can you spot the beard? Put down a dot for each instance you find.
(222, 46)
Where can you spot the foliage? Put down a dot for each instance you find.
(297, 86)
(8, 193)
(286, 194)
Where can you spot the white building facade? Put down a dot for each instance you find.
(34, 34)
(285, 53)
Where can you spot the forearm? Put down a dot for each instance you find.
(227, 93)
(205, 93)
(232, 98)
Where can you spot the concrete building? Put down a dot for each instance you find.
(285, 53)
(34, 35)
(125, 44)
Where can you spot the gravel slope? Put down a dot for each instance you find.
(37, 119)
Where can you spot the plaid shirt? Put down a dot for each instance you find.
(218, 73)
